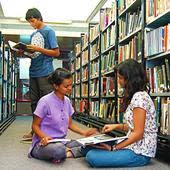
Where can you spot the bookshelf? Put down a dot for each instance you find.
(127, 29)
(158, 68)
(109, 40)
(72, 67)
(8, 82)
(97, 56)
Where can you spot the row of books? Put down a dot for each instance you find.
(84, 41)
(77, 105)
(94, 32)
(107, 110)
(130, 23)
(77, 48)
(104, 110)
(156, 7)
(84, 90)
(94, 49)
(84, 57)
(107, 16)
(162, 106)
(108, 38)
(77, 76)
(94, 86)
(77, 92)
(94, 108)
(132, 49)
(85, 73)
(165, 116)
(159, 78)
(161, 39)
(78, 63)
(108, 62)
(72, 67)
(94, 69)
(5, 67)
(124, 4)
(107, 86)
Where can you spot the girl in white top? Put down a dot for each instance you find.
(140, 118)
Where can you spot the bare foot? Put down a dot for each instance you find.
(28, 136)
(69, 154)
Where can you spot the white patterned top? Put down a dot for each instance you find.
(38, 40)
(147, 145)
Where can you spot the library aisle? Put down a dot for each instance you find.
(13, 154)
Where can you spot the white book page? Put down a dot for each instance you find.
(59, 140)
(99, 139)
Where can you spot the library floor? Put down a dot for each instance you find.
(13, 154)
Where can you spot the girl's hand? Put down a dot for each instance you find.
(44, 140)
(109, 128)
(90, 132)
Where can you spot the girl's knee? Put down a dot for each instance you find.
(56, 152)
(91, 158)
(59, 153)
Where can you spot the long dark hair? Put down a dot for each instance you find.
(59, 75)
(135, 79)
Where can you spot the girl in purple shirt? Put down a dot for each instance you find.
(52, 119)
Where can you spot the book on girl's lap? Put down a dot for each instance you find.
(20, 46)
(101, 138)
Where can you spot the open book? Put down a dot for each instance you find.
(91, 139)
(20, 46)
(98, 139)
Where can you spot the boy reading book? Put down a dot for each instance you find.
(20, 47)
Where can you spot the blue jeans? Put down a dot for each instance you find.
(121, 158)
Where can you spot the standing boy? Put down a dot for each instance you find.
(44, 44)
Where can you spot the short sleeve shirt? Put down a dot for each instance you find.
(41, 64)
(147, 145)
(55, 114)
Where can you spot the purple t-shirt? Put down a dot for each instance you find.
(55, 114)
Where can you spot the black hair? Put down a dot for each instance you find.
(135, 79)
(33, 13)
(59, 75)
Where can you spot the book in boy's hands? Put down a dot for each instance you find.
(20, 46)
(101, 138)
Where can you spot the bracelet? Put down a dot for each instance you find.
(113, 147)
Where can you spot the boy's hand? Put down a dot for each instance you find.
(32, 48)
(18, 53)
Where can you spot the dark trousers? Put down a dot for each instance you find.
(56, 151)
(39, 87)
